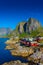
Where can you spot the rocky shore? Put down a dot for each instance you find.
(18, 50)
(20, 63)
(33, 54)
(37, 57)
(15, 63)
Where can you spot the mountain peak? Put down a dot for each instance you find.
(30, 25)
(27, 26)
(33, 20)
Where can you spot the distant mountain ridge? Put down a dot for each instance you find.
(5, 31)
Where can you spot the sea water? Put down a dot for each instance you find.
(5, 55)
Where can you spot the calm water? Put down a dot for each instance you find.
(5, 55)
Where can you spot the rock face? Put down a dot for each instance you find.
(37, 57)
(31, 25)
(21, 27)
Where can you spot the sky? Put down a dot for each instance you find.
(14, 11)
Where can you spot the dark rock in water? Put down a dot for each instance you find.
(32, 63)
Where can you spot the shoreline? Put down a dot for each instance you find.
(17, 50)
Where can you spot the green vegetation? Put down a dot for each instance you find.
(24, 35)
(38, 32)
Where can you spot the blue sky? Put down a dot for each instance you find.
(14, 11)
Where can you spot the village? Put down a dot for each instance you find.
(37, 41)
(29, 48)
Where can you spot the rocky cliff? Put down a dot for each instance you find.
(28, 26)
